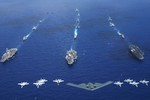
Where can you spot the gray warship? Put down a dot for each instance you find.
(71, 56)
(9, 54)
(90, 86)
(136, 51)
(25, 37)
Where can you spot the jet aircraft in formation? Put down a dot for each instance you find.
(132, 82)
(88, 86)
(58, 81)
(40, 82)
(22, 84)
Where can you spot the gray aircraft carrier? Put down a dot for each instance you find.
(90, 86)
(71, 56)
(9, 54)
(136, 51)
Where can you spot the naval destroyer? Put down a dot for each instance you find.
(25, 37)
(9, 54)
(136, 51)
(71, 56)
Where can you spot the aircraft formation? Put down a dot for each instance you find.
(131, 82)
(40, 82)
(87, 86)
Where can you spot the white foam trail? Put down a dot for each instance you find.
(114, 27)
(73, 45)
(19, 46)
(75, 33)
(29, 33)
(33, 28)
(119, 33)
(42, 20)
(77, 24)
(111, 24)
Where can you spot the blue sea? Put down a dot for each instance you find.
(102, 55)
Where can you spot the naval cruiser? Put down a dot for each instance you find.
(135, 50)
(71, 56)
(9, 54)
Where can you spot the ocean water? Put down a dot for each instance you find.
(102, 55)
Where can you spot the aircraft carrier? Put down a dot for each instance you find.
(136, 51)
(9, 54)
(71, 56)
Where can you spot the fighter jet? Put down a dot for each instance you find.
(144, 82)
(42, 80)
(22, 84)
(38, 84)
(118, 83)
(111, 24)
(90, 86)
(128, 80)
(58, 81)
(134, 83)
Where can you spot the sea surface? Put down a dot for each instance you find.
(102, 55)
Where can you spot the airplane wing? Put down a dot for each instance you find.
(61, 80)
(55, 81)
